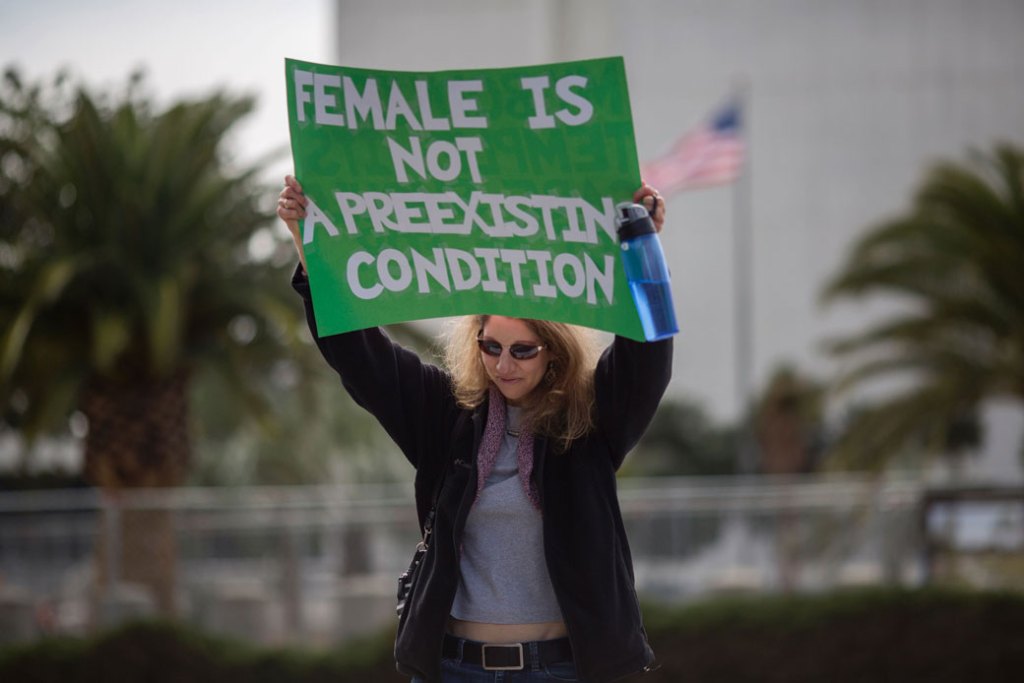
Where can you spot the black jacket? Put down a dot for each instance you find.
(585, 543)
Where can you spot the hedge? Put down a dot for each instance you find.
(879, 635)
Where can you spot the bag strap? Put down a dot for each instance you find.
(428, 523)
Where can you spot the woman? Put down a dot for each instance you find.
(518, 441)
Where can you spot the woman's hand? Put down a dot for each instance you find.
(651, 199)
(291, 208)
(291, 203)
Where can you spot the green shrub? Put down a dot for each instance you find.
(160, 652)
(866, 635)
(874, 635)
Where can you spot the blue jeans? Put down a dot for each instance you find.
(461, 672)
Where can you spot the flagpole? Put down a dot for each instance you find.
(743, 288)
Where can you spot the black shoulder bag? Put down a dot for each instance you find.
(408, 578)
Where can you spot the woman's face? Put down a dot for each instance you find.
(515, 379)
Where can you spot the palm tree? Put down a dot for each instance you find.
(788, 423)
(956, 259)
(125, 272)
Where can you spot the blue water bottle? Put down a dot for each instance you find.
(646, 271)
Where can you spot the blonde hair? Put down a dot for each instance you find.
(562, 405)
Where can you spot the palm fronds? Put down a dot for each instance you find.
(956, 257)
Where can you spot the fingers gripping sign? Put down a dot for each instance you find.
(651, 200)
(291, 208)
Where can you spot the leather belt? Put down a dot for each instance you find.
(507, 656)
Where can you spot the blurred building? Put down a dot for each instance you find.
(848, 102)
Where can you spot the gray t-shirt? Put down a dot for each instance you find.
(504, 578)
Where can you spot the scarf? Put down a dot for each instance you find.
(494, 434)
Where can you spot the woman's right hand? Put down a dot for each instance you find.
(291, 208)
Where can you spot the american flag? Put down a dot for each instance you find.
(711, 154)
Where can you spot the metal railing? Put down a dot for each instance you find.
(318, 564)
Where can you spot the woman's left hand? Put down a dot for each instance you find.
(651, 199)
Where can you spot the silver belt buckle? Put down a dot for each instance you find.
(518, 646)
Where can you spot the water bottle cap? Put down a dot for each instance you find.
(632, 220)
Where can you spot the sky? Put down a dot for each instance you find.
(186, 48)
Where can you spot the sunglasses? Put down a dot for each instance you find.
(517, 351)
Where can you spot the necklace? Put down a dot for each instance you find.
(513, 432)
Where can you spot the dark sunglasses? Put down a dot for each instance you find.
(517, 351)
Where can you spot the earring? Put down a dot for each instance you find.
(550, 376)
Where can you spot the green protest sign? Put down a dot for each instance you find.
(472, 191)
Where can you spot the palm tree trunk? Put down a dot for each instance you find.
(139, 438)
